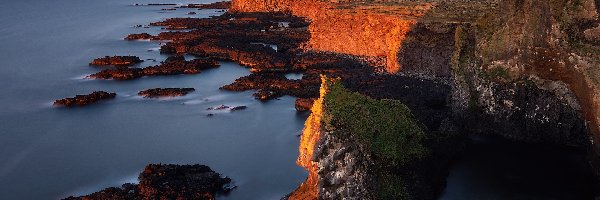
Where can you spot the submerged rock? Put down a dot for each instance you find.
(121, 61)
(165, 92)
(82, 100)
(168, 181)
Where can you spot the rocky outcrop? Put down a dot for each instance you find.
(172, 66)
(216, 5)
(347, 160)
(168, 181)
(119, 61)
(82, 100)
(165, 92)
(304, 104)
(372, 29)
(140, 36)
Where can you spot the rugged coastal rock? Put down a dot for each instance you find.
(304, 104)
(172, 66)
(167, 181)
(82, 100)
(119, 61)
(140, 36)
(216, 5)
(526, 70)
(354, 150)
(165, 92)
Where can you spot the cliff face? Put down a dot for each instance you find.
(537, 50)
(365, 30)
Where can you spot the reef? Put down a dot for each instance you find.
(172, 66)
(168, 181)
(83, 100)
(119, 61)
(165, 92)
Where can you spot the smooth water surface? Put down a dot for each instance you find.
(50, 153)
(497, 169)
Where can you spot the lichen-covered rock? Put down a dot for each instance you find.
(140, 36)
(82, 100)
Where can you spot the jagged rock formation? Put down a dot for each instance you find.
(168, 181)
(82, 100)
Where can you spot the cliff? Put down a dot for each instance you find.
(357, 147)
(373, 30)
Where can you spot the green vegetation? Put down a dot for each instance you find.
(386, 128)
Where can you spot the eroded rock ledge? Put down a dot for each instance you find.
(83, 100)
(168, 181)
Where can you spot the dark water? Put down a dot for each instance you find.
(494, 168)
(49, 153)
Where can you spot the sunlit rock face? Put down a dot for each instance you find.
(310, 137)
(374, 31)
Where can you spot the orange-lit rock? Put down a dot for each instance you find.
(373, 31)
(310, 136)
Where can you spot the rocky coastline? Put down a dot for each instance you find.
(423, 75)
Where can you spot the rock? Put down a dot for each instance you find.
(230, 108)
(168, 181)
(216, 5)
(191, 13)
(265, 95)
(165, 92)
(140, 36)
(120, 61)
(172, 66)
(82, 100)
(593, 34)
(304, 104)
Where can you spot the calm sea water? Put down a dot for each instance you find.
(496, 169)
(49, 153)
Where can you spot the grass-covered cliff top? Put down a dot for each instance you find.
(387, 130)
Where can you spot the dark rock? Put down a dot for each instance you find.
(191, 13)
(168, 181)
(140, 36)
(165, 92)
(230, 108)
(216, 5)
(82, 100)
(116, 61)
(172, 66)
(304, 104)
